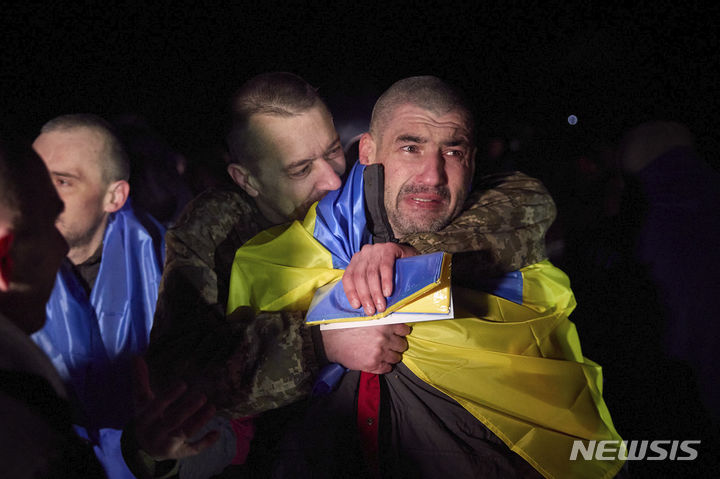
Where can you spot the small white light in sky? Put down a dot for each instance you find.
(572, 119)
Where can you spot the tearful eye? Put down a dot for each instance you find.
(410, 148)
(304, 171)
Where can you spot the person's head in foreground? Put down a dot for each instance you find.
(31, 247)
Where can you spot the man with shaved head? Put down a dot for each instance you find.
(101, 309)
(430, 205)
(485, 394)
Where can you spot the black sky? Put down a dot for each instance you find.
(535, 64)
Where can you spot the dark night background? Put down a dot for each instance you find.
(526, 65)
(535, 64)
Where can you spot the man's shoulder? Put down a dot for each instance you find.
(511, 186)
(212, 227)
(223, 200)
(214, 213)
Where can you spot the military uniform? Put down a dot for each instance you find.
(249, 363)
(229, 358)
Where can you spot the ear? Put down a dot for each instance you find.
(244, 179)
(6, 263)
(367, 149)
(116, 196)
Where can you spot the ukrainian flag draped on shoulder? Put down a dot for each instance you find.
(91, 339)
(511, 357)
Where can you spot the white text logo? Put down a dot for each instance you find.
(658, 450)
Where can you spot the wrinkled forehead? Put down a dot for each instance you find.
(283, 140)
(453, 125)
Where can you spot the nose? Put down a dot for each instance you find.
(432, 170)
(328, 178)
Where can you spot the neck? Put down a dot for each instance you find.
(81, 252)
(271, 215)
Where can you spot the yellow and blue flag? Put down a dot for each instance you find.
(511, 357)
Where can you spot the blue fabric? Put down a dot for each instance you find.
(340, 224)
(91, 340)
(328, 379)
(508, 287)
(410, 276)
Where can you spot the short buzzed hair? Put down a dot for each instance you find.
(277, 93)
(428, 92)
(115, 164)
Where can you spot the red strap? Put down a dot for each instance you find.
(244, 429)
(6, 262)
(368, 417)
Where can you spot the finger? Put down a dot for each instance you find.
(391, 357)
(375, 288)
(197, 421)
(401, 329)
(364, 294)
(156, 408)
(387, 273)
(200, 445)
(407, 251)
(398, 344)
(175, 417)
(142, 394)
(350, 291)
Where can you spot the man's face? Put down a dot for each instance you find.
(37, 250)
(429, 160)
(300, 160)
(73, 158)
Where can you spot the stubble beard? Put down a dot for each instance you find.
(405, 224)
(76, 239)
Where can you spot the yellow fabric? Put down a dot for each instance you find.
(517, 368)
(437, 300)
(280, 268)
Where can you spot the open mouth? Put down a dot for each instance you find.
(423, 197)
(425, 201)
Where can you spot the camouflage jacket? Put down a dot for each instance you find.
(230, 358)
(249, 363)
(501, 229)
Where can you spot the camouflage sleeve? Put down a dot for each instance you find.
(501, 229)
(245, 363)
